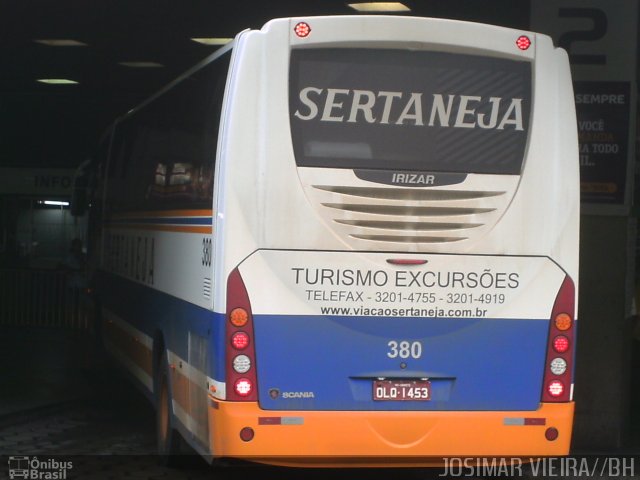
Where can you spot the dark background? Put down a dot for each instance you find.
(59, 125)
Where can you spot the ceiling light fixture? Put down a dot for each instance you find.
(57, 81)
(379, 7)
(60, 42)
(212, 41)
(141, 64)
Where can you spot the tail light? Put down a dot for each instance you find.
(240, 358)
(558, 369)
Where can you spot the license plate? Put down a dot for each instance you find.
(402, 390)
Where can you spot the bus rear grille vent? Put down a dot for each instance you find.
(408, 226)
(408, 194)
(411, 215)
(407, 211)
(408, 239)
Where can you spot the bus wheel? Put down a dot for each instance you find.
(167, 436)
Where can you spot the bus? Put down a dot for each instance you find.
(348, 240)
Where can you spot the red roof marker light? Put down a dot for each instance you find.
(523, 42)
(302, 29)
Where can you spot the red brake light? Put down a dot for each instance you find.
(561, 344)
(556, 388)
(240, 340)
(243, 387)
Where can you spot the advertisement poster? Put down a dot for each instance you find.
(593, 32)
(602, 110)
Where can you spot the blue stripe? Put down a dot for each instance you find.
(150, 311)
(473, 364)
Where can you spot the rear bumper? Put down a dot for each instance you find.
(334, 438)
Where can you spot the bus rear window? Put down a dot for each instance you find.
(409, 110)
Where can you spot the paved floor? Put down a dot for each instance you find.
(40, 367)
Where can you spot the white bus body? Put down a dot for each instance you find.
(395, 206)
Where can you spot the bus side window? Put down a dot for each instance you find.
(164, 153)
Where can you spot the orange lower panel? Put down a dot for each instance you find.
(382, 438)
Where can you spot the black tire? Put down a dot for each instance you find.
(168, 438)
